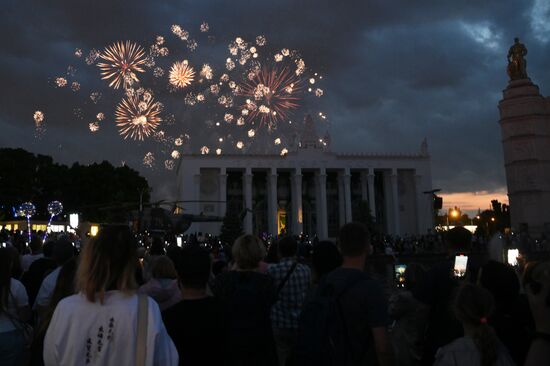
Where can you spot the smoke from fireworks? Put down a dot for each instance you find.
(122, 61)
(137, 117)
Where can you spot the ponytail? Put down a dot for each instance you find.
(486, 343)
(473, 305)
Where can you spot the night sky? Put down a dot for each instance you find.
(395, 72)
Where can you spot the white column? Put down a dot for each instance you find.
(272, 205)
(341, 199)
(347, 194)
(297, 226)
(372, 199)
(321, 203)
(223, 192)
(420, 206)
(197, 192)
(247, 180)
(395, 201)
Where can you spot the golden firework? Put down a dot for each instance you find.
(137, 117)
(181, 74)
(122, 61)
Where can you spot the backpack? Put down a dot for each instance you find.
(323, 337)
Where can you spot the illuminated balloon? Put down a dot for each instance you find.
(55, 208)
(27, 209)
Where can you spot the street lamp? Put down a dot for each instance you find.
(454, 213)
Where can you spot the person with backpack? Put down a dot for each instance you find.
(345, 322)
(247, 296)
(292, 280)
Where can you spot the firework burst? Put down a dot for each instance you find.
(181, 74)
(38, 117)
(137, 117)
(122, 61)
(271, 93)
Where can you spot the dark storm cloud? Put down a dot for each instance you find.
(396, 71)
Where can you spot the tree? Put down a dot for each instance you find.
(367, 219)
(232, 227)
(87, 189)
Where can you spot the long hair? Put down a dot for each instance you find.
(473, 306)
(108, 263)
(6, 263)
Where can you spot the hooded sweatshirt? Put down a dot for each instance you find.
(164, 291)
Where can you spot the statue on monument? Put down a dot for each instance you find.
(517, 65)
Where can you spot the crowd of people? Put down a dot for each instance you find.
(112, 301)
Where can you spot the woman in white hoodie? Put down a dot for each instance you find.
(99, 325)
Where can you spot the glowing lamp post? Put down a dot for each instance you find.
(454, 213)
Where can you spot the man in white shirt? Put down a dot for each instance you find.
(36, 252)
(62, 252)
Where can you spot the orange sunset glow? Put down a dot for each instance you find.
(470, 202)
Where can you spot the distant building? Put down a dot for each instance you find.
(525, 127)
(310, 190)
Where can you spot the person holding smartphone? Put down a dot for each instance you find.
(436, 291)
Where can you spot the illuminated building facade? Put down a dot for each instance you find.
(311, 190)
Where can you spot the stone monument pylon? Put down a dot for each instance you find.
(525, 127)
